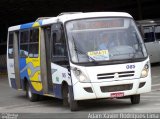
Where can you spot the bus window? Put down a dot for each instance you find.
(33, 43)
(10, 50)
(157, 33)
(58, 47)
(24, 36)
(148, 34)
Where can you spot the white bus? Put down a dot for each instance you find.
(151, 32)
(62, 57)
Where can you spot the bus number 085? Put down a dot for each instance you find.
(130, 66)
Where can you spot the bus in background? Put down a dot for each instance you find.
(151, 32)
(79, 56)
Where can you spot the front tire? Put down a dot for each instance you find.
(135, 99)
(68, 99)
(31, 96)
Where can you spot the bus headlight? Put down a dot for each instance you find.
(145, 70)
(81, 76)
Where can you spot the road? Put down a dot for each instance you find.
(13, 101)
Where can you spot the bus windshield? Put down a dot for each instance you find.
(104, 39)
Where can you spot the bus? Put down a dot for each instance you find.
(60, 57)
(151, 32)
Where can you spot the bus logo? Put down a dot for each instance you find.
(63, 75)
(116, 75)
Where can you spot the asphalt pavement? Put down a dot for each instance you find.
(13, 101)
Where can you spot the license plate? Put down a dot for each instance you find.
(119, 94)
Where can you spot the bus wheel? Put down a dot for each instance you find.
(135, 99)
(31, 96)
(68, 99)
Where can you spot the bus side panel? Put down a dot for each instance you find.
(59, 75)
(11, 73)
(29, 70)
(34, 74)
(30, 66)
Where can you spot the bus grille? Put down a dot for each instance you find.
(112, 75)
(116, 88)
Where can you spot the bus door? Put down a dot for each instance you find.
(30, 58)
(33, 60)
(59, 58)
(151, 44)
(54, 58)
(13, 60)
(46, 60)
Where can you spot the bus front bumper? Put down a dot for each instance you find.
(84, 91)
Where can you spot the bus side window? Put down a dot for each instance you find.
(148, 34)
(58, 46)
(157, 33)
(34, 43)
(10, 46)
(24, 37)
(59, 53)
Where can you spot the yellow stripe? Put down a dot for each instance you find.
(36, 24)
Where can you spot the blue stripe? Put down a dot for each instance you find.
(57, 90)
(22, 65)
(28, 25)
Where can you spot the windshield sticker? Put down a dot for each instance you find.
(99, 55)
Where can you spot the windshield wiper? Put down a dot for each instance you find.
(83, 53)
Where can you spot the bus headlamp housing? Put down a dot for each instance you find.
(81, 76)
(145, 71)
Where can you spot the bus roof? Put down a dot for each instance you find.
(67, 17)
